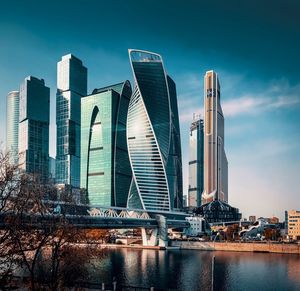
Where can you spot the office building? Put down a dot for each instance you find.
(293, 224)
(273, 220)
(196, 152)
(215, 207)
(252, 218)
(34, 127)
(71, 87)
(12, 126)
(105, 167)
(153, 136)
(198, 226)
(215, 161)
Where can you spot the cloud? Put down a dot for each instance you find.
(258, 104)
(277, 94)
(242, 105)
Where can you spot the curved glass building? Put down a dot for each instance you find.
(153, 136)
(105, 168)
(12, 125)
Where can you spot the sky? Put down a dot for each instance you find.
(253, 46)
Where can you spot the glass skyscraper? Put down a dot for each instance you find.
(153, 136)
(34, 127)
(12, 126)
(71, 87)
(105, 168)
(196, 152)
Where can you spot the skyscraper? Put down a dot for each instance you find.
(105, 168)
(215, 161)
(215, 207)
(71, 87)
(34, 127)
(12, 126)
(196, 153)
(153, 136)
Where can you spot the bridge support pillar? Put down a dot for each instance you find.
(149, 239)
(158, 236)
(163, 240)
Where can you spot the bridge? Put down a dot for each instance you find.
(117, 217)
(103, 217)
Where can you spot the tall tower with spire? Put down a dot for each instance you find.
(215, 161)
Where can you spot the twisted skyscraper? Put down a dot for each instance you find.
(153, 136)
(215, 161)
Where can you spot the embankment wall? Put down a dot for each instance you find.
(283, 248)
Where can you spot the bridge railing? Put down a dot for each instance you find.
(111, 212)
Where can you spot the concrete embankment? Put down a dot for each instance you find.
(264, 247)
(135, 246)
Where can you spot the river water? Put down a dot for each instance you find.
(191, 269)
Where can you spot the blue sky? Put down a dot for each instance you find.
(252, 45)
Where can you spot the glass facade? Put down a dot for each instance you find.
(153, 136)
(12, 126)
(52, 166)
(34, 127)
(174, 165)
(196, 152)
(71, 87)
(105, 167)
(218, 211)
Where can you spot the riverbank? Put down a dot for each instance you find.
(263, 247)
(133, 246)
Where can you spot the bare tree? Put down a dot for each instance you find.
(34, 236)
(28, 226)
(9, 187)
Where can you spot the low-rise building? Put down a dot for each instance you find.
(293, 219)
(252, 218)
(274, 220)
(197, 225)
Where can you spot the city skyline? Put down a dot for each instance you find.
(260, 87)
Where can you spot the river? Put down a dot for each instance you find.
(191, 269)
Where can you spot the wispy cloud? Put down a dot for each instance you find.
(258, 104)
(277, 94)
(242, 105)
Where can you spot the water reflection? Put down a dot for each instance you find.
(293, 269)
(191, 270)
